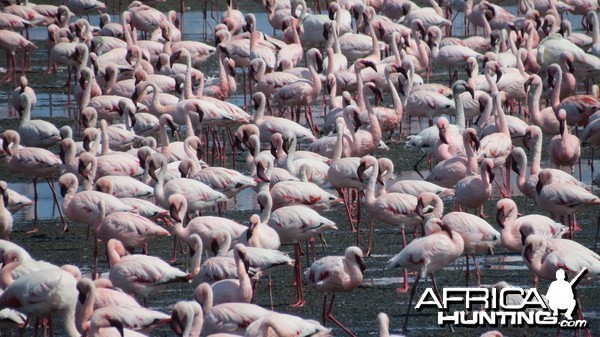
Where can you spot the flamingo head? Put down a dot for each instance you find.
(174, 57)
(261, 172)
(104, 186)
(500, 214)
(177, 206)
(198, 109)
(83, 166)
(441, 124)
(488, 166)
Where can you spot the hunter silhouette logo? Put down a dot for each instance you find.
(507, 305)
(560, 293)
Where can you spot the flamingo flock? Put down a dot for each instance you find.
(339, 102)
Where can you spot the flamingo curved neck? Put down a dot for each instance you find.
(371, 185)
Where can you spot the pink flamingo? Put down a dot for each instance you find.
(284, 324)
(384, 325)
(226, 181)
(13, 42)
(133, 230)
(564, 148)
(33, 162)
(519, 164)
(269, 124)
(123, 187)
(203, 225)
(332, 274)
(562, 199)
(513, 228)
(6, 220)
(140, 274)
(121, 317)
(45, 292)
(302, 93)
(226, 317)
(92, 297)
(294, 224)
(259, 234)
(420, 256)
(449, 172)
(187, 318)
(229, 290)
(286, 193)
(198, 195)
(478, 235)
(390, 208)
(23, 88)
(544, 256)
(216, 268)
(83, 206)
(473, 191)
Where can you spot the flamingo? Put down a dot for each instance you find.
(390, 208)
(564, 148)
(514, 228)
(497, 146)
(384, 325)
(294, 224)
(199, 195)
(202, 226)
(6, 220)
(544, 256)
(226, 317)
(31, 161)
(449, 172)
(562, 199)
(238, 291)
(478, 235)
(332, 274)
(121, 317)
(23, 88)
(187, 318)
(286, 193)
(277, 324)
(13, 42)
(473, 191)
(302, 93)
(83, 206)
(44, 292)
(420, 256)
(140, 274)
(92, 297)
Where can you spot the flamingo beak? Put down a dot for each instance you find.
(361, 262)
(471, 91)
(476, 142)
(500, 217)
(214, 247)
(63, 190)
(81, 168)
(514, 165)
(176, 324)
(419, 209)
(260, 172)
(491, 174)
(174, 213)
(238, 143)
(442, 135)
(360, 170)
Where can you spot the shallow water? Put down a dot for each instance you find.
(358, 309)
